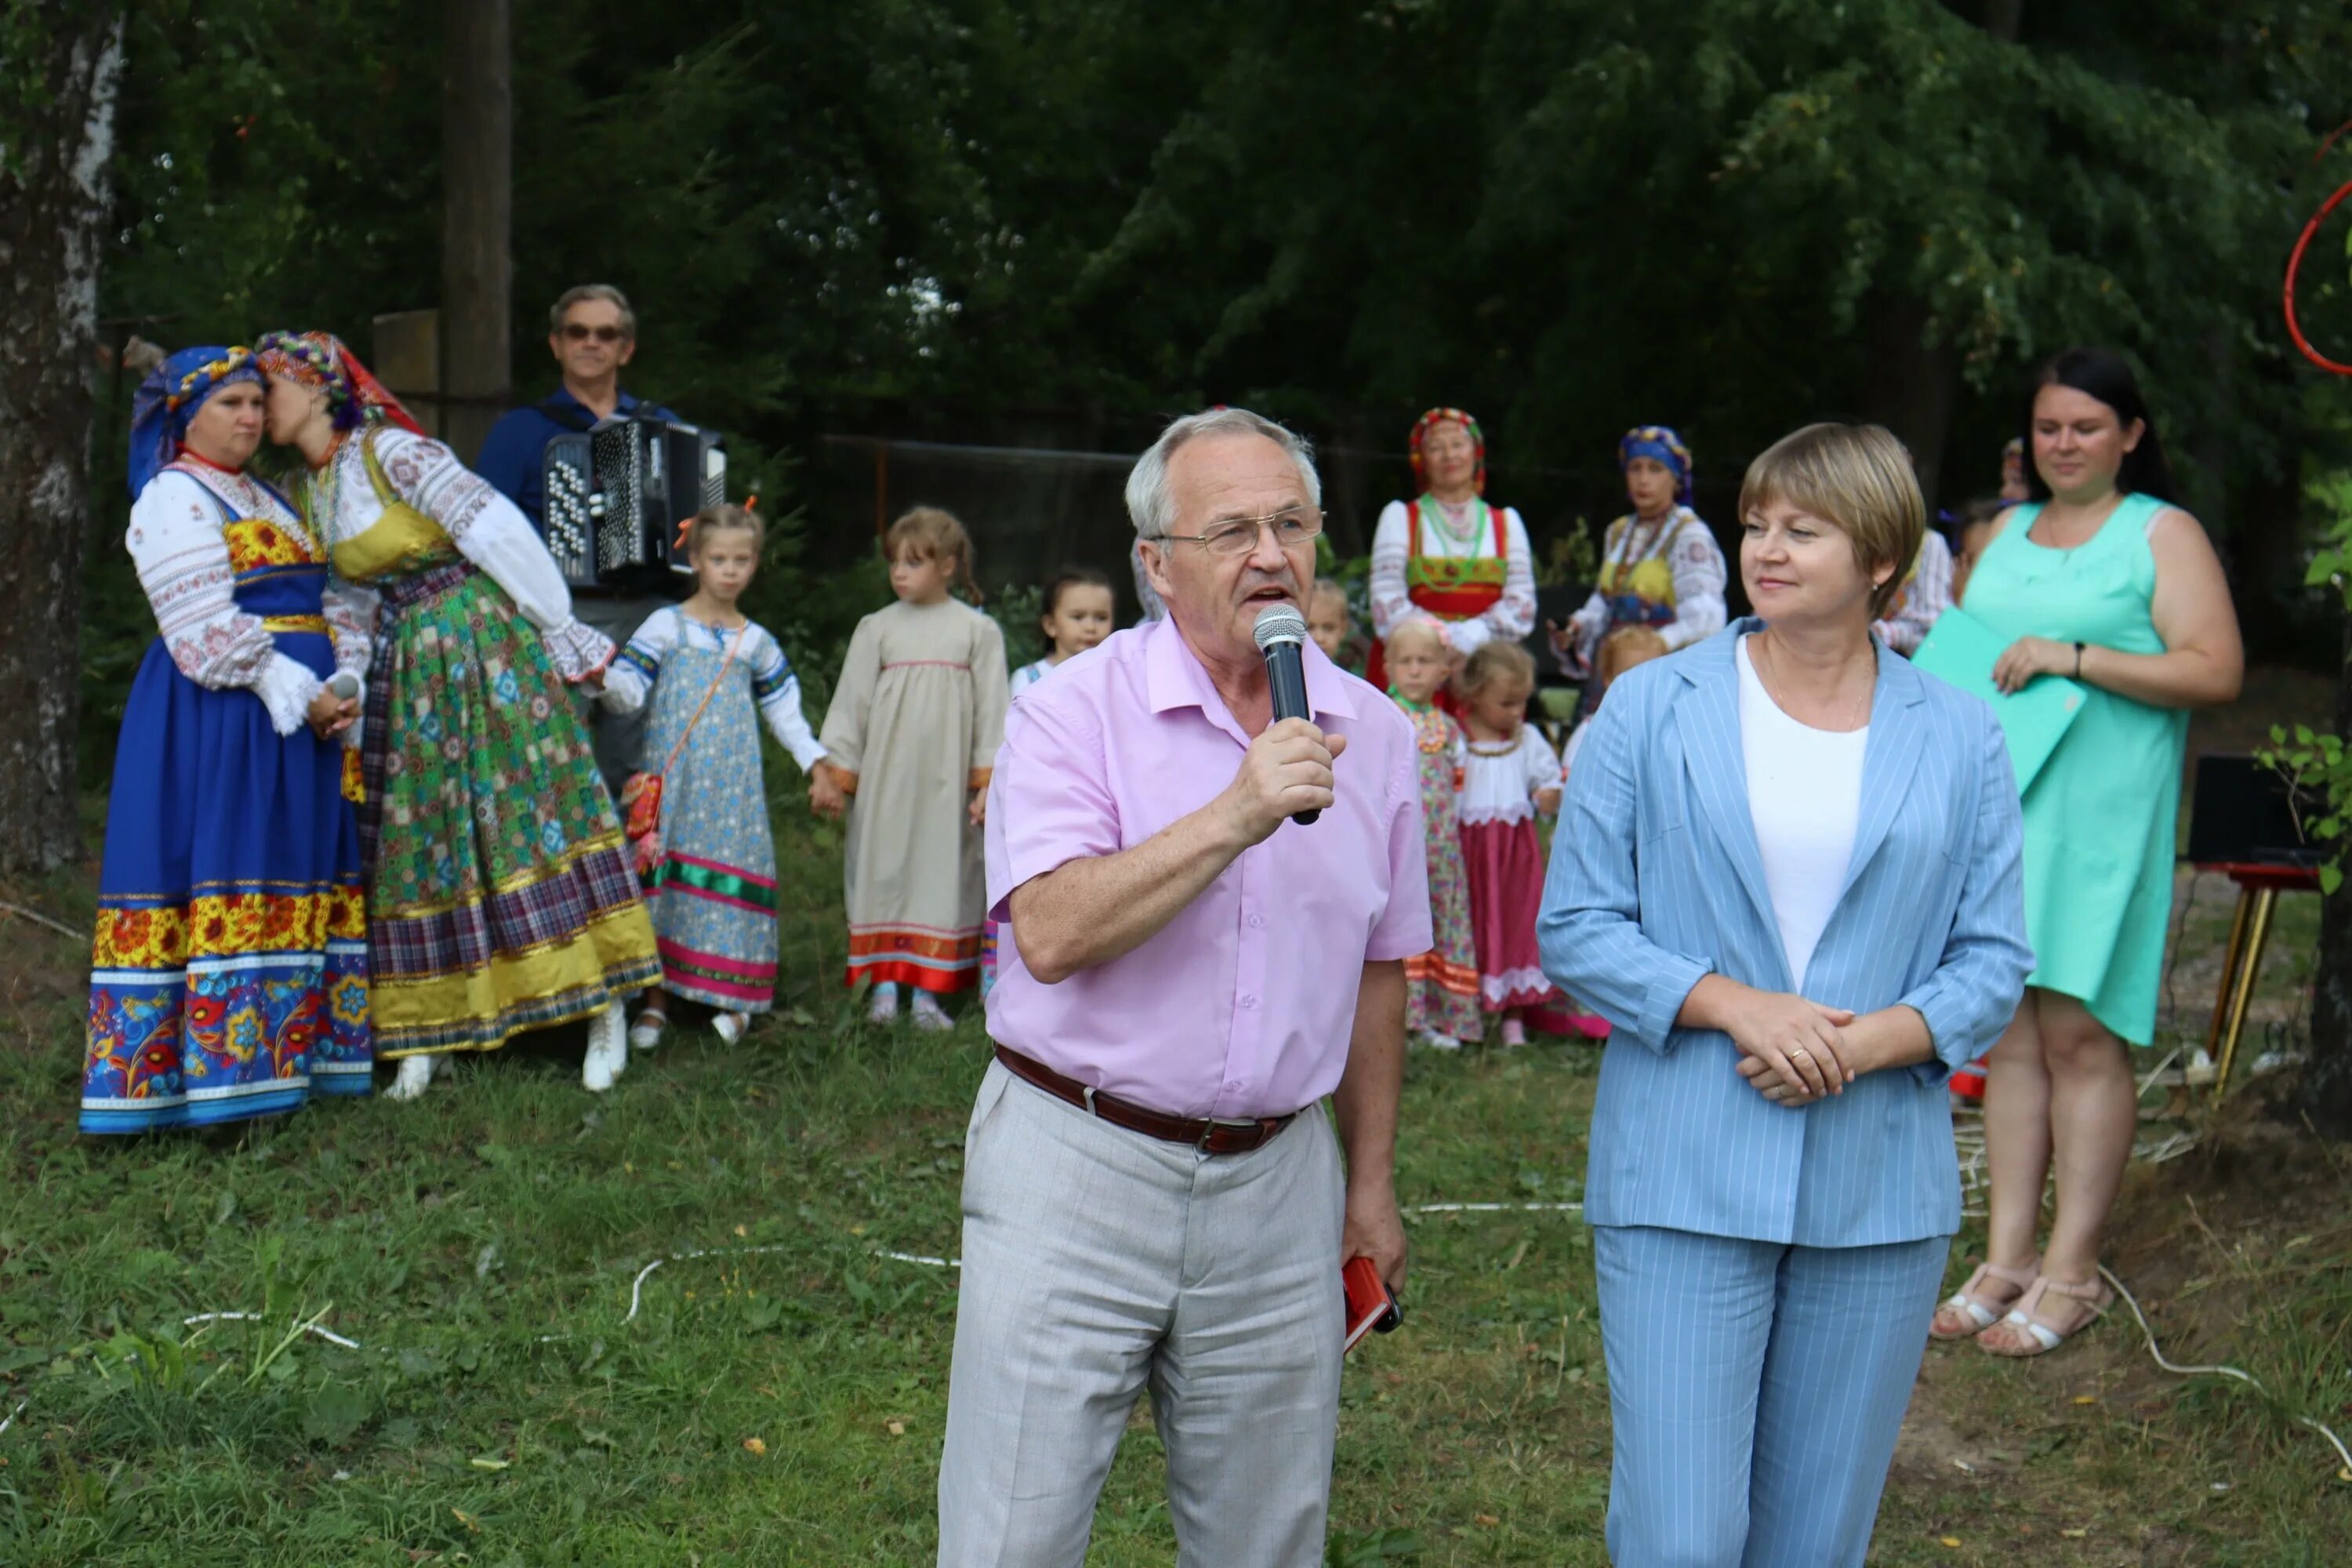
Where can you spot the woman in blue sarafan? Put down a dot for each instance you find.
(228, 978)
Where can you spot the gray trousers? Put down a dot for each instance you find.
(1099, 1263)
(619, 738)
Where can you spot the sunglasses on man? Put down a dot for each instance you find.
(580, 332)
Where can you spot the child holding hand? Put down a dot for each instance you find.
(1441, 984)
(712, 679)
(909, 742)
(1513, 777)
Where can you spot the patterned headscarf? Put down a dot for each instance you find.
(319, 360)
(1658, 441)
(1431, 421)
(169, 398)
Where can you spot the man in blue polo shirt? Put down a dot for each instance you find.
(593, 333)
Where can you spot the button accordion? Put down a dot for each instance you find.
(618, 497)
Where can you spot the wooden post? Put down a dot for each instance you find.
(407, 357)
(477, 222)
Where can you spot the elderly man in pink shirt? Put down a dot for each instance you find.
(1152, 1195)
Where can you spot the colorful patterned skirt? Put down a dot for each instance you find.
(1441, 984)
(229, 976)
(500, 898)
(1504, 861)
(713, 893)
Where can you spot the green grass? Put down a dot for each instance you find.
(480, 1245)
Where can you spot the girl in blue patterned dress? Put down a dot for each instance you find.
(712, 678)
(229, 976)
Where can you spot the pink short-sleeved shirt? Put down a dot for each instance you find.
(1243, 1003)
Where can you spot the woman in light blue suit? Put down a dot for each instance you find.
(1787, 873)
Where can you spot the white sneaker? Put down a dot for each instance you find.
(1437, 1041)
(883, 1008)
(416, 1073)
(931, 1015)
(608, 1051)
(646, 1032)
(729, 1026)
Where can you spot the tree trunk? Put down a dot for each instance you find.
(477, 221)
(2325, 1092)
(1909, 383)
(55, 145)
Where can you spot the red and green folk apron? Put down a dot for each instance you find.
(1449, 587)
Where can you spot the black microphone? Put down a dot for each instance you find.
(1281, 633)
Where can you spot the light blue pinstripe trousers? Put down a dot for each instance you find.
(1756, 1390)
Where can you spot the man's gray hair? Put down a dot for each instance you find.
(1150, 506)
(581, 292)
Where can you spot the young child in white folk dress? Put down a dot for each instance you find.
(909, 742)
(1512, 778)
(1076, 614)
(712, 678)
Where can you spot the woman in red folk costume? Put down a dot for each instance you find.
(1449, 554)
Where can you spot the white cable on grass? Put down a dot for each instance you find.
(637, 1286)
(919, 1257)
(2155, 1349)
(328, 1335)
(1497, 1208)
(14, 1414)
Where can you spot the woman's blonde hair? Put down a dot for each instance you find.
(1624, 648)
(726, 517)
(1495, 663)
(1858, 477)
(936, 535)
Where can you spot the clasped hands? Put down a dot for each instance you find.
(1794, 1051)
(331, 715)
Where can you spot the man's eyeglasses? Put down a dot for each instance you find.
(1238, 536)
(580, 332)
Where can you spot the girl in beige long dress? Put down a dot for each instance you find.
(909, 741)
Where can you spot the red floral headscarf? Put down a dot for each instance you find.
(319, 360)
(1431, 421)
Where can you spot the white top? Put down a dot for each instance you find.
(1503, 777)
(1804, 795)
(1027, 676)
(1687, 546)
(1511, 617)
(1927, 594)
(774, 688)
(178, 542)
(488, 529)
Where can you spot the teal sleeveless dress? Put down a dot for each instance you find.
(2101, 816)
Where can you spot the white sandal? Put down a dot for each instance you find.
(2047, 1337)
(646, 1032)
(729, 1026)
(1980, 1313)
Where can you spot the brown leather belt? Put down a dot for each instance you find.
(1210, 1135)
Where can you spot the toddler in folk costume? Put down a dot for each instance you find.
(1441, 984)
(709, 873)
(909, 742)
(1512, 777)
(1076, 614)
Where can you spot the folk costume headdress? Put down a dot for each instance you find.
(319, 360)
(168, 399)
(1431, 421)
(1661, 443)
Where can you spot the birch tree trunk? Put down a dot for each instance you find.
(59, 68)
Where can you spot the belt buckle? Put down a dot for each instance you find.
(1209, 1125)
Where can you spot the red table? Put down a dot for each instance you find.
(2259, 886)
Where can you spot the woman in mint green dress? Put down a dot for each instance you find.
(2101, 581)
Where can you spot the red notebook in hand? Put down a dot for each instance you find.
(1372, 1308)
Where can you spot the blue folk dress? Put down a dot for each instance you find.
(228, 978)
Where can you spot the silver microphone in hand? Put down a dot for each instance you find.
(344, 685)
(1281, 633)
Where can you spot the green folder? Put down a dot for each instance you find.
(1962, 650)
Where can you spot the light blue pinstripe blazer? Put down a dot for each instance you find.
(1656, 881)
